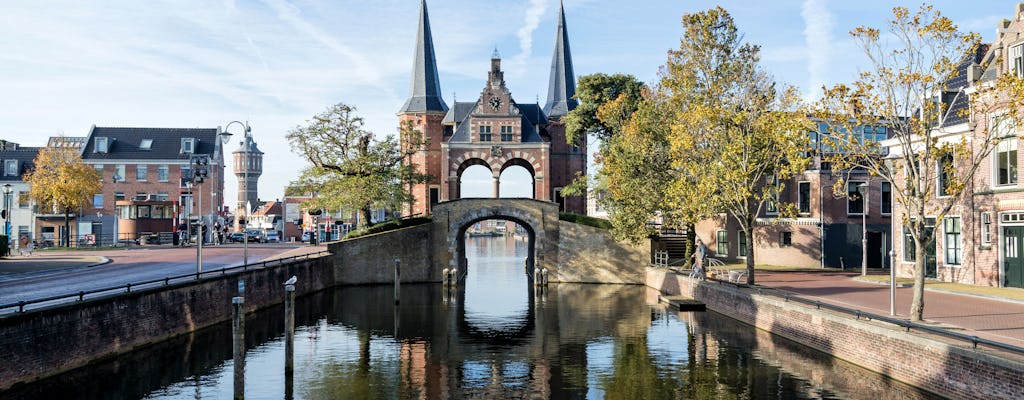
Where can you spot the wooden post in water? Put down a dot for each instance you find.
(238, 344)
(398, 279)
(289, 327)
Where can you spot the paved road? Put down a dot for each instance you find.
(987, 318)
(136, 265)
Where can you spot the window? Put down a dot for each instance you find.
(785, 239)
(886, 200)
(140, 172)
(854, 200)
(141, 196)
(24, 199)
(146, 144)
(986, 228)
(772, 205)
(119, 172)
(435, 196)
(161, 173)
(909, 247)
(722, 245)
(944, 169)
(162, 196)
(118, 196)
(99, 170)
(145, 212)
(188, 145)
(102, 145)
(11, 167)
(741, 244)
(97, 200)
(506, 133)
(804, 197)
(953, 247)
(485, 133)
(1005, 152)
(1017, 59)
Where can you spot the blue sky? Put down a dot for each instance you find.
(67, 65)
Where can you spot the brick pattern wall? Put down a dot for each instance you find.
(947, 369)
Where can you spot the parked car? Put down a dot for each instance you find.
(255, 236)
(273, 238)
(305, 236)
(236, 237)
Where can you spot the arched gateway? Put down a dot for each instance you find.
(538, 218)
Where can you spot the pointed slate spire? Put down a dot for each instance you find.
(425, 88)
(562, 85)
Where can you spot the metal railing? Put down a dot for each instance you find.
(20, 306)
(906, 325)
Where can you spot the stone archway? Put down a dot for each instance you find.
(539, 218)
(526, 165)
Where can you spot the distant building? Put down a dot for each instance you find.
(248, 167)
(142, 171)
(15, 161)
(828, 230)
(268, 218)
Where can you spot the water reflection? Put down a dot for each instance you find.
(581, 341)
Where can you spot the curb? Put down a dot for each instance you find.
(927, 289)
(102, 261)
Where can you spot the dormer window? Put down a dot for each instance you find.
(102, 145)
(11, 167)
(146, 144)
(188, 145)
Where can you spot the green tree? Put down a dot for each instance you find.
(351, 170)
(736, 134)
(59, 180)
(906, 89)
(606, 104)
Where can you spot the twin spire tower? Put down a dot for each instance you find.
(493, 130)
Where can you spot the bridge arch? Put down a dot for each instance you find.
(530, 168)
(539, 218)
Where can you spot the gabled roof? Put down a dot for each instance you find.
(25, 156)
(269, 208)
(530, 115)
(957, 100)
(562, 84)
(425, 88)
(124, 143)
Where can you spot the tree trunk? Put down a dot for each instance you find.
(917, 306)
(365, 211)
(67, 227)
(750, 255)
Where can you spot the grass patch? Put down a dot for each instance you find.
(388, 226)
(585, 220)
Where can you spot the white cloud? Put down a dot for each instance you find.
(525, 32)
(818, 37)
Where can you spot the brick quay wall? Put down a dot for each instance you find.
(47, 342)
(949, 369)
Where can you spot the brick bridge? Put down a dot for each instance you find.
(570, 252)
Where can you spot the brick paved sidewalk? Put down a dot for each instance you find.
(987, 318)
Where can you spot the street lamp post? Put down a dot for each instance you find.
(117, 212)
(863, 190)
(7, 210)
(247, 137)
(200, 170)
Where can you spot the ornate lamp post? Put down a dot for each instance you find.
(863, 190)
(247, 138)
(7, 210)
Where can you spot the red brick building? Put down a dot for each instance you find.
(981, 240)
(494, 130)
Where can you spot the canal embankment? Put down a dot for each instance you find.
(925, 361)
(52, 340)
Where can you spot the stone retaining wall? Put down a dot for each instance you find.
(47, 342)
(930, 363)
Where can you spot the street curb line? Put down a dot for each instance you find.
(103, 260)
(926, 288)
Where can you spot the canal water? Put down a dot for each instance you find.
(496, 339)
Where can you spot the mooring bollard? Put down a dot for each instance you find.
(536, 276)
(398, 279)
(544, 276)
(289, 327)
(238, 344)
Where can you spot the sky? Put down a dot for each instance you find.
(68, 65)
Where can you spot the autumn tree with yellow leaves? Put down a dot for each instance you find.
(60, 180)
(923, 84)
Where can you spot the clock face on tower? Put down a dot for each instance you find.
(495, 103)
